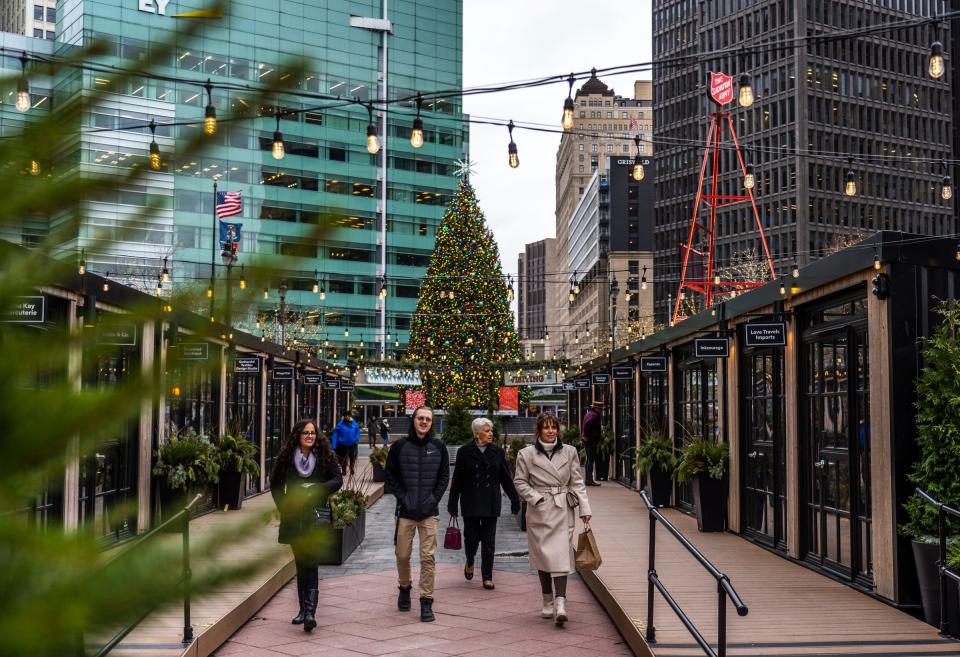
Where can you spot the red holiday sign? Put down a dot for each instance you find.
(721, 88)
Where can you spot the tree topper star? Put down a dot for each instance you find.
(464, 168)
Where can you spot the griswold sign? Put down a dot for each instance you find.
(721, 88)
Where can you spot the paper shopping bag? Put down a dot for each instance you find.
(587, 554)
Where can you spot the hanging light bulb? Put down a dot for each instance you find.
(643, 279)
(154, 148)
(783, 289)
(957, 256)
(23, 88)
(850, 188)
(716, 279)
(936, 67)
(749, 181)
(383, 288)
(638, 172)
(876, 260)
(165, 274)
(34, 168)
(567, 120)
(796, 271)
(243, 279)
(346, 332)
(571, 295)
(209, 292)
(266, 294)
(416, 134)
(946, 189)
(510, 288)
(745, 97)
(373, 141)
(316, 282)
(159, 288)
(210, 114)
(512, 157)
(278, 149)
(106, 284)
(82, 267)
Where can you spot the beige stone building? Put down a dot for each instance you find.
(36, 18)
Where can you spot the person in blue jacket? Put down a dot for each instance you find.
(345, 440)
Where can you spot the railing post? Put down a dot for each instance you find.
(941, 567)
(721, 620)
(651, 573)
(187, 575)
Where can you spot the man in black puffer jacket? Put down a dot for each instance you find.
(417, 471)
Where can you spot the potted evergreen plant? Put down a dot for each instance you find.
(604, 452)
(938, 463)
(185, 464)
(456, 429)
(236, 457)
(378, 462)
(657, 462)
(706, 463)
(348, 510)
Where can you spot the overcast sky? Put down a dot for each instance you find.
(504, 41)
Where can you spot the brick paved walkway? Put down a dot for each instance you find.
(358, 617)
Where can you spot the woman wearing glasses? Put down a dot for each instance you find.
(305, 473)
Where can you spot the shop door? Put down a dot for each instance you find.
(625, 437)
(278, 421)
(763, 446)
(837, 452)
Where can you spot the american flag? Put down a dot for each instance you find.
(633, 124)
(228, 204)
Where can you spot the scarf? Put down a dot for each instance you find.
(304, 464)
(547, 447)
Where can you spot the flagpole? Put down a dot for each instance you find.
(213, 249)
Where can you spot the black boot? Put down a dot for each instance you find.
(309, 609)
(403, 600)
(426, 610)
(298, 619)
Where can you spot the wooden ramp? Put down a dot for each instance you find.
(793, 610)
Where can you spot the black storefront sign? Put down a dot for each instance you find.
(331, 384)
(711, 348)
(283, 373)
(653, 363)
(347, 385)
(622, 373)
(758, 334)
(581, 383)
(26, 310)
(118, 334)
(193, 351)
(569, 385)
(313, 379)
(600, 378)
(246, 364)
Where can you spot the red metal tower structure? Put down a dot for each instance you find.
(701, 238)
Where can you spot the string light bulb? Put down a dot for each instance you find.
(643, 279)
(876, 260)
(165, 274)
(571, 295)
(783, 289)
(266, 294)
(936, 67)
(106, 284)
(568, 108)
(316, 282)
(513, 157)
(749, 181)
(82, 267)
(210, 114)
(373, 141)
(637, 173)
(159, 288)
(346, 332)
(383, 288)
(850, 188)
(946, 188)
(155, 162)
(34, 168)
(796, 271)
(243, 279)
(745, 96)
(278, 149)
(23, 88)
(416, 134)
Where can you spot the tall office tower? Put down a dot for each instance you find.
(817, 101)
(539, 283)
(36, 18)
(604, 128)
(382, 208)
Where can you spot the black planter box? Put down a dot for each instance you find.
(659, 486)
(379, 474)
(710, 501)
(230, 490)
(344, 541)
(925, 556)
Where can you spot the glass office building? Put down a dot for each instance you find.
(384, 209)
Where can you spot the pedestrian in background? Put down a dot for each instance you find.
(373, 430)
(481, 471)
(345, 438)
(385, 431)
(590, 435)
(417, 473)
(304, 474)
(548, 478)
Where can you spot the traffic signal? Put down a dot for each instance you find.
(881, 286)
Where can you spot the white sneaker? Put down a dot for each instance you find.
(560, 609)
(547, 606)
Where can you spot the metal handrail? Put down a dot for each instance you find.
(725, 589)
(186, 577)
(943, 510)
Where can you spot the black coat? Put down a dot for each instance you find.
(417, 473)
(298, 497)
(477, 479)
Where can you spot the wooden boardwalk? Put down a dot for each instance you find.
(216, 617)
(793, 610)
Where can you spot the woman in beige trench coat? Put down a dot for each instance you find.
(548, 477)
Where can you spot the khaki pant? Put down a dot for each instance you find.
(428, 546)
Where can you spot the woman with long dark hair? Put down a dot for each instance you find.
(305, 473)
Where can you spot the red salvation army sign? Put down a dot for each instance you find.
(721, 88)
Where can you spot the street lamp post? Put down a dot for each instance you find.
(229, 257)
(283, 313)
(614, 291)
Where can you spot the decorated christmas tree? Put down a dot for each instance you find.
(462, 332)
